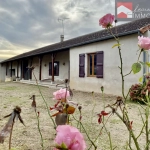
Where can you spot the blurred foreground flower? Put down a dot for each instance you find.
(144, 42)
(106, 21)
(69, 138)
(61, 94)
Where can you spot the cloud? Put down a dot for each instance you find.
(30, 24)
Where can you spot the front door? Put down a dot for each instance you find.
(26, 70)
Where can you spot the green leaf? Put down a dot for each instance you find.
(141, 79)
(115, 45)
(63, 146)
(136, 67)
(148, 64)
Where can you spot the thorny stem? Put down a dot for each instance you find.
(103, 100)
(11, 134)
(130, 130)
(137, 61)
(93, 106)
(108, 133)
(146, 128)
(40, 131)
(139, 56)
(121, 62)
(79, 120)
(88, 136)
(141, 131)
(144, 123)
(95, 147)
(128, 73)
(121, 70)
(100, 130)
(131, 133)
(127, 96)
(44, 101)
(130, 141)
(111, 147)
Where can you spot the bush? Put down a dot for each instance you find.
(138, 92)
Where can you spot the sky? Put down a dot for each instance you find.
(29, 24)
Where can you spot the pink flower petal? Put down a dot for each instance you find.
(71, 137)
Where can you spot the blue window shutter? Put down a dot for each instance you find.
(99, 64)
(81, 65)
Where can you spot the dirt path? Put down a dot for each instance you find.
(27, 138)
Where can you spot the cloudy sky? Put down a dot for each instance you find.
(29, 24)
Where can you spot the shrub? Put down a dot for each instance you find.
(138, 92)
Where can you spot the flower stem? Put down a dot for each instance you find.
(44, 101)
(101, 130)
(121, 71)
(95, 147)
(11, 134)
(111, 147)
(94, 104)
(103, 100)
(121, 62)
(146, 128)
(40, 131)
(126, 122)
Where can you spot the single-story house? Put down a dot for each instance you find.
(88, 61)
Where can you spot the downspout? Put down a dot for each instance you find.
(144, 68)
(144, 60)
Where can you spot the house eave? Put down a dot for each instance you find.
(75, 45)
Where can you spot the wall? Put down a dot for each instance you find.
(35, 63)
(2, 72)
(112, 79)
(62, 57)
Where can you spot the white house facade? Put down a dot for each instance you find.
(111, 79)
(88, 61)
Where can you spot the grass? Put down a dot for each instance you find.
(13, 94)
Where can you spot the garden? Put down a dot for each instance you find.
(34, 117)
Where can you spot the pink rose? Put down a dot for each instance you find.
(144, 42)
(71, 137)
(106, 21)
(61, 94)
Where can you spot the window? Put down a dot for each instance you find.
(56, 68)
(94, 64)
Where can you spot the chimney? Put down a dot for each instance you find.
(61, 38)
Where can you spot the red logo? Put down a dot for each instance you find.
(124, 10)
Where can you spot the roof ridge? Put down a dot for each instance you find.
(122, 29)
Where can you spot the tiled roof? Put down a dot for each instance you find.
(124, 29)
